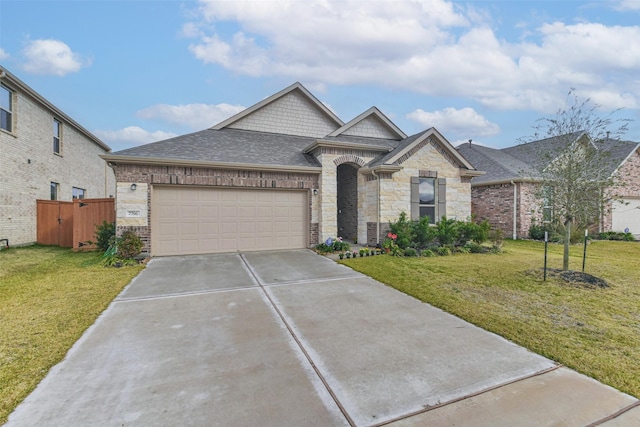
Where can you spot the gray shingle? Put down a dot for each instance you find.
(230, 146)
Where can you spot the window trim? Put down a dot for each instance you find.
(440, 196)
(57, 139)
(74, 196)
(10, 113)
(54, 188)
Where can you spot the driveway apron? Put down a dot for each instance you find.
(291, 338)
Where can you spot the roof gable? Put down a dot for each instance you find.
(411, 145)
(371, 124)
(292, 111)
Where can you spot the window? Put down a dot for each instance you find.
(77, 193)
(6, 109)
(428, 198)
(57, 136)
(427, 194)
(54, 190)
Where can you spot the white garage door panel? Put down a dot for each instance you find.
(626, 215)
(194, 220)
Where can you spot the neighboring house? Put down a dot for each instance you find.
(286, 173)
(44, 154)
(508, 194)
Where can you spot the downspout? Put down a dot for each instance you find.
(515, 210)
(377, 208)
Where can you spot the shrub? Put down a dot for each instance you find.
(447, 231)
(427, 253)
(536, 231)
(129, 245)
(339, 246)
(104, 233)
(403, 228)
(444, 251)
(410, 252)
(423, 232)
(497, 237)
(323, 248)
(614, 235)
(464, 250)
(474, 248)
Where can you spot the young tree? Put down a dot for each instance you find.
(574, 163)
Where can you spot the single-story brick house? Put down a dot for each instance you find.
(507, 195)
(286, 173)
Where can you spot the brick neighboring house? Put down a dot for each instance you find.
(507, 194)
(44, 154)
(286, 173)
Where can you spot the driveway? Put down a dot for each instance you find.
(291, 338)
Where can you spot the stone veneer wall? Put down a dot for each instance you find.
(396, 192)
(145, 176)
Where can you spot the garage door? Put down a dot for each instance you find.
(196, 220)
(626, 215)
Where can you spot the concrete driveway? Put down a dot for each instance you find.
(291, 339)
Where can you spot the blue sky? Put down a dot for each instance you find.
(139, 71)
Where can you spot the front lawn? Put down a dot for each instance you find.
(593, 330)
(48, 297)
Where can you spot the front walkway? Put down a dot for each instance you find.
(292, 338)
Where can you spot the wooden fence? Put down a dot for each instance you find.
(72, 224)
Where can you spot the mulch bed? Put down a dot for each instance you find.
(574, 278)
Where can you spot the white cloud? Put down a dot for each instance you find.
(3, 54)
(54, 57)
(626, 5)
(462, 123)
(434, 47)
(131, 136)
(194, 116)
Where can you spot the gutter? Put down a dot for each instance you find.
(373, 172)
(336, 144)
(200, 163)
(515, 210)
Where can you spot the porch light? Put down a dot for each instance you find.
(133, 187)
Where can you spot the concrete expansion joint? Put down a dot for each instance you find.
(616, 414)
(468, 396)
(299, 343)
(310, 281)
(183, 294)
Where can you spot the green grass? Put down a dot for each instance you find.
(594, 331)
(48, 297)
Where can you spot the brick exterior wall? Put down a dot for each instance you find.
(28, 166)
(494, 203)
(149, 175)
(629, 187)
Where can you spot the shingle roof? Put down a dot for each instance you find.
(376, 142)
(498, 165)
(230, 146)
(525, 161)
(400, 145)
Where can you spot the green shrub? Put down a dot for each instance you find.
(104, 234)
(444, 251)
(427, 253)
(447, 231)
(323, 248)
(410, 252)
(474, 248)
(129, 245)
(536, 231)
(615, 235)
(403, 228)
(424, 233)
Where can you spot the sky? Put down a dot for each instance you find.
(138, 71)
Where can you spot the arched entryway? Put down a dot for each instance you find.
(347, 200)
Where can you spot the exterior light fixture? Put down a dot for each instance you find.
(133, 187)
